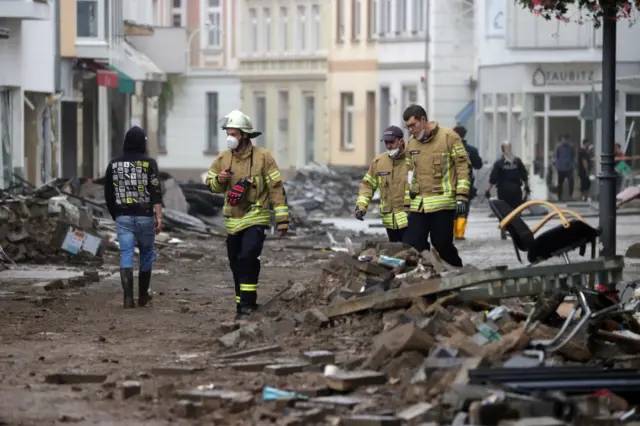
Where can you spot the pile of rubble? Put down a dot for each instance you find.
(397, 337)
(317, 191)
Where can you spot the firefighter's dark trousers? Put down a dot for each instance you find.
(396, 235)
(437, 225)
(243, 250)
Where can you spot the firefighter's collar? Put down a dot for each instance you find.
(246, 152)
(433, 132)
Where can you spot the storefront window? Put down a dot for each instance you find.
(514, 134)
(487, 101)
(538, 103)
(564, 103)
(633, 102)
(489, 139)
(538, 143)
(502, 100)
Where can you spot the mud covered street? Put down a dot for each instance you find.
(71, 355)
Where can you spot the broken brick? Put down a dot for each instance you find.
(74, 379)
(417, 413)
(371, 421)
(252, 352)
(130, 388)
(286, 369)
(188, 409)
(319, 357)
(175, 371)
(349, 380)
(407, 337)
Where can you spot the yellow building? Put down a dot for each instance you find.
(352, 83)
(282, 64)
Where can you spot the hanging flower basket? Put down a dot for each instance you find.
(594, 10)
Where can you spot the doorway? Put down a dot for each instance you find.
(69, 139)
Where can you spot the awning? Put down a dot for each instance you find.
(136, 65)
(466, 113)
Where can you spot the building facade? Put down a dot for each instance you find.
(352, 83)
(282, 64)
(27, 55)
(539, 80)
(190, 136)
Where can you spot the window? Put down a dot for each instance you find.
(419, 16)
(317, 27)
(284, 29)
(266, 14)
(401, 16)
(633, 103)
(212, 122)
(177, 13)
(213, 28)
(409, 95)
(538, 103)
(340, 21)
(386, 17)
(564, 103)
(309, 127)
(346, 106)
(373, 29)
(253, 18)
(282, 143)
(260, 108)
(90, 19)
(301, 31)
(355, 19)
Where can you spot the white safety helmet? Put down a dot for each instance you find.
(236, 119)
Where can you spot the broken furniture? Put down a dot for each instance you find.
(557, 241)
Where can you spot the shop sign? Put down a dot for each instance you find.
(542, 77)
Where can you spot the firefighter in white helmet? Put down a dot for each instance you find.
(249, 178)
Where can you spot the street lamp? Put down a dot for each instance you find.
(210, 27)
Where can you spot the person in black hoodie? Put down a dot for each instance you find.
(133, 194)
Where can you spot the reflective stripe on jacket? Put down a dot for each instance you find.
(440, 168)
(265, 187)
(389, 177)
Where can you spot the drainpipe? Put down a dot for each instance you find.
(427, 66)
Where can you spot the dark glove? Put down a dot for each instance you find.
(413, 195)
(487, 194)
(527, 191)
(462, 208)
(360, 214)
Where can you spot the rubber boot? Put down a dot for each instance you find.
(459, 228)
(126, 277)
(144, 280)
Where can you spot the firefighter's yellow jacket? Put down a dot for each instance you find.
(266, 186)
(389, 176)
(440, 168)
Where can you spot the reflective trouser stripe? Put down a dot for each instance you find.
(248, 287)
(237, 299)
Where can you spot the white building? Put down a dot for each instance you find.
(434, 69)
(209, 88)
(26, 79)
(536, 76)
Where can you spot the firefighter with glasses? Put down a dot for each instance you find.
(249, 178)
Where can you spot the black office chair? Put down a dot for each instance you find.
(558, 241)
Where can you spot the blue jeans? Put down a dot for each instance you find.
(141, 229)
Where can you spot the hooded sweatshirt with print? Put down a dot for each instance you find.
(131, 182)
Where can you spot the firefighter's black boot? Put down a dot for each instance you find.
(126, 278)
(144, 280)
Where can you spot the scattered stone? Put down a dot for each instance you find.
(175, 371)
(407, 337)
(349, 380)
(319, 357)
(295, 291)
(74, 379)
(416, 414)
(286, 369)
(92, 276)
(188, 409)
(252, 366)
(312, 317)
(76, 282)
(226, 395)
(252, 352)
(131, 388)
(54, 285)
(249, 332)
(371, 421)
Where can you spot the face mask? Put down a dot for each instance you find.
(393, 152)
(232, 142)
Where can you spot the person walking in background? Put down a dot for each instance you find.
(460, 224)
(439, 187)
(509, 174)
(388, 174)
(133, 194)
(585, 166)
(565, 163)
